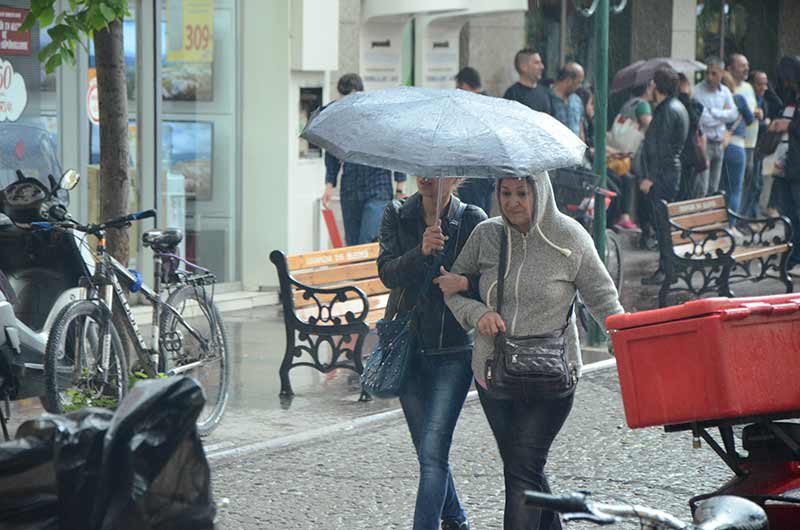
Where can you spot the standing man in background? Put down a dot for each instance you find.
(718, 111)
(365, 190)
(565, 104)
(477, 191)
(527, 90)
(739, 68)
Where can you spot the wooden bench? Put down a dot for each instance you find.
(699, 249)
(332, 298)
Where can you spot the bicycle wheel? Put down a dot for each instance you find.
(74, 376)
(614, 258)
(206, 359)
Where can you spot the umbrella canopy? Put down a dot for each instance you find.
(642, 72)
(443, 133)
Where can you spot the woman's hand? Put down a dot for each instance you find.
(433, 239)
(451, 283)
(491, 324)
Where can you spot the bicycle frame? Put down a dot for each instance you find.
(107, 277)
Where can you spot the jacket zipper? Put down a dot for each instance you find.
(516, 285)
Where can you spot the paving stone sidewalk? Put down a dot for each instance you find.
(368, 479)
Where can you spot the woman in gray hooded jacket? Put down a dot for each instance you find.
(551, 258)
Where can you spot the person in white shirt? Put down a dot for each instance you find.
(739, 67)
(718, 111)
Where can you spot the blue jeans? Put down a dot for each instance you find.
(362, 220)
(524, 431)
(432, 400)
(733, 167)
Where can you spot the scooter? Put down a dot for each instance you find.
(40, 274)
(769, 474)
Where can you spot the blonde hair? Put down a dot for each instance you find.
(727, 80)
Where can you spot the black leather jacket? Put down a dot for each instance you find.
(402, 268)
(663, 145)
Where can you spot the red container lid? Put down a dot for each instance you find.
(729, 308)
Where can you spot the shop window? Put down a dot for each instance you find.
(198, 182)
(28, 113)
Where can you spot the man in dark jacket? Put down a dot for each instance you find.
(789, 78)
(665, 139)
(663, 145)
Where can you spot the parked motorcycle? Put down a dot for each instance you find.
(39, 275)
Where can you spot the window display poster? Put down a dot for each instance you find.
(381, 55)
(92, 101)
(13, 94)
(12, 41)
(190, 31)
(441, 55)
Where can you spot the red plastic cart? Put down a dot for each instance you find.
(718, 363)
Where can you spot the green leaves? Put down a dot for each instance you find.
(73, 26)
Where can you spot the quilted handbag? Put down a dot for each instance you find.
(533, 366)
(387, 367)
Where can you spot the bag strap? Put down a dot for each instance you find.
(501, 280)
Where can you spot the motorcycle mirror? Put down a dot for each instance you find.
(69, 180)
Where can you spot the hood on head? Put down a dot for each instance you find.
(544, 208)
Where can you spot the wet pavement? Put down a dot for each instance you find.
(368, 478)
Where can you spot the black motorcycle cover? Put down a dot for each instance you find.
(142, 467)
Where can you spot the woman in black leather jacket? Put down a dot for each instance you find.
(414, 246)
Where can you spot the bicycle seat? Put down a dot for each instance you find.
(162, 240)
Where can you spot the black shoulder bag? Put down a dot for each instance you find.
(533, 366)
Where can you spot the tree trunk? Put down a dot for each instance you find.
(112, 95)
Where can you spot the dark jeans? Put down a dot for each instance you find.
(788, 192)
(432, 400)
(362, 219)
(755, 186)
(524, 431)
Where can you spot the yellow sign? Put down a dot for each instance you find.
(190, 31)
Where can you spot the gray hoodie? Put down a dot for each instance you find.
(545, 269)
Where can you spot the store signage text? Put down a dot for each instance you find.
(13, 41)
(190, 31)
(13, 94)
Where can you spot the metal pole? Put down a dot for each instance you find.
(596, 335)
(722, 29)
(562, 52)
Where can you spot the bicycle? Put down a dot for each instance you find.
(575, 190)
(717, 513)
(85, 359)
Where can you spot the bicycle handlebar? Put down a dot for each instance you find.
(62, 219)
(578, 507)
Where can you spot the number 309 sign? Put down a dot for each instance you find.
(190, 31)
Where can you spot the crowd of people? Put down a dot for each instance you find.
(669, 142)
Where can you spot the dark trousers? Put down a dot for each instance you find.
(524, 431)
(787, 193)
(432, 399)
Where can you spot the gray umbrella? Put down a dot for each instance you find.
(443, 133)
(642, 72)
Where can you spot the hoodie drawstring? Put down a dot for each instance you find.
(565, 251)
